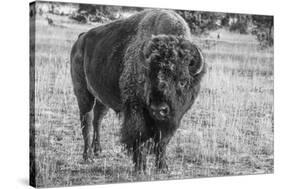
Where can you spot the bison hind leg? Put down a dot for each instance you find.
(99, 111)
(85, 103)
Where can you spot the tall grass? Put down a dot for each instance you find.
(229, 130)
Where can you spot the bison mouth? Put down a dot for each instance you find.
(161, 111)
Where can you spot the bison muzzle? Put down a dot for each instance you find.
(145, 68)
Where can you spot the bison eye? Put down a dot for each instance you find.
(192, 63)
(182, 83)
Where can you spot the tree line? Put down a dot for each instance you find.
(200, 22)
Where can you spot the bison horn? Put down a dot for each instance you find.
(201, 63)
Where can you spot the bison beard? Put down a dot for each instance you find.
(143, 67)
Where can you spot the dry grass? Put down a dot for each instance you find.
(229, 130)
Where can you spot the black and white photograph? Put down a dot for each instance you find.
(123, 94)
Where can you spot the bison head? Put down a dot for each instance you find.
(174, 68)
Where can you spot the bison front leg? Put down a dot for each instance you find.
(160, 161)
(134, 136)
(161, 143)
(139, 157)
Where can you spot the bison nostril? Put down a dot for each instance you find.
(164, 110)
(162, 86)
(161, 110)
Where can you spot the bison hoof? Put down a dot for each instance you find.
(97, 149)
(140, 168)
(138, 171)
(88, 156)
(162, 167)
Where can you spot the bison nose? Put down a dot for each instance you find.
(162, 110)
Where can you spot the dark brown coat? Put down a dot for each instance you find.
(144, 67)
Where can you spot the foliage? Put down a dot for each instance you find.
(238, 22)
(241, 27)
(263, 29)
(201, 22)
(103, 10)
(79, 17)
(102, 13)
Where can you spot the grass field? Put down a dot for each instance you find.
(229, 130)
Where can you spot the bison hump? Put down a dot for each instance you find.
(163, 22)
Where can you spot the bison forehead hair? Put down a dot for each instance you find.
(169, 52)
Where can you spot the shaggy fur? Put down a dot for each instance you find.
(144, 67)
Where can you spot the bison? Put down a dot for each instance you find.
(146, 69)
